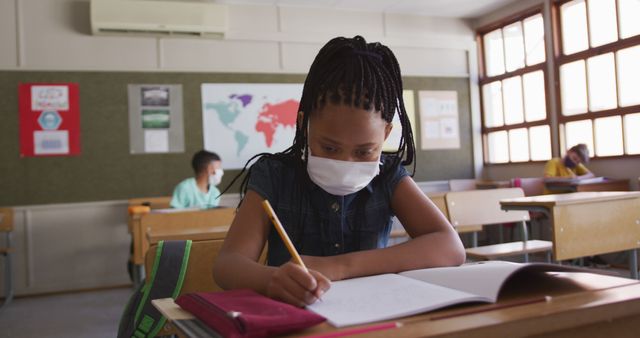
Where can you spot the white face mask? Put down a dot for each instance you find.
(341, 177)
(216, 178)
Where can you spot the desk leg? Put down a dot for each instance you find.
(8, 276)
(474, 239)
(525, 238)
(633, 263)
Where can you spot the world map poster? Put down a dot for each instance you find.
(241, 120)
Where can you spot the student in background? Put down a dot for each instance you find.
(334, 190)
(571, 165)
(200, 191)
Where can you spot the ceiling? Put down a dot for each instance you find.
(466, 9)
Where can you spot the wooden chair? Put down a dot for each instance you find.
(462, 184)
(6, 226)
(192, 220)
(531, 186)
(483, 207)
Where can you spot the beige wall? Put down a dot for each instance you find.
(55, 35)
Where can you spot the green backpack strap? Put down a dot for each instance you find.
(141, 318)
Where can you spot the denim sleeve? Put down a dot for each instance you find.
(263, 177)
(399, 173)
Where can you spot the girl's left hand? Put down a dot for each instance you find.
(330, 266)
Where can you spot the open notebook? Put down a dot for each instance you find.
(383, 297)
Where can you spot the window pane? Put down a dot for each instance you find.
(602, 22)
(512, 96)
(609, 136)
(492, 104)
(494, 53)
(631, 139)
(498, 147)
(573, 88)
(513, 46)
(602, 82)
(574, 27)
(534, 39)
(540, 139)
(534, 97)
(519, 145)
(629, 13)
(629, 76)
(579, 132)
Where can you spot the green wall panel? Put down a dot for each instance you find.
(105, 170)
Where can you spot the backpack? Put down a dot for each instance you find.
(140, 318)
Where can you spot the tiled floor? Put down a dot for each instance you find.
(81, 315)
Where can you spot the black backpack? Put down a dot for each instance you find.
(140, 318)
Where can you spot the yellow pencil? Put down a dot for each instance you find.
(283, 234)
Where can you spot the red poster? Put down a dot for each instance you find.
(49, 119)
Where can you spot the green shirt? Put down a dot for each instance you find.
(187, 195)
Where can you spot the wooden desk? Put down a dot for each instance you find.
(586, 305)
(588, 223)
(152, 202)
(607, 184)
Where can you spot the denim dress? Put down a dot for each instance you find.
(321, 224)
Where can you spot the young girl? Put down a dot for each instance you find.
(334, 190)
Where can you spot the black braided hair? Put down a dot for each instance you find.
(352, 72)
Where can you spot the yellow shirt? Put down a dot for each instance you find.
(555, 168)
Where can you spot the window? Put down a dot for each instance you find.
(596, 59)
(599, 75)
(514, 109)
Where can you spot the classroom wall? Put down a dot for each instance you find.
(105, 169)
(49, 40)
(55, 35)
(81, 240)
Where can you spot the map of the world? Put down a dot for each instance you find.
(241, 120)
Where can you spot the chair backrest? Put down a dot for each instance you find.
(152, 202)
(199, 274)
(462, 184)
(188, 219)
(532, 186)
(6, 219)
(482, 207)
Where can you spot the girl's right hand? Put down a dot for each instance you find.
(291, 284)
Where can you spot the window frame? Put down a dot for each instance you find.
(552, 86)
(484, 80)
(560, 59)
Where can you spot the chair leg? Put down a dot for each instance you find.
(633, 263)
(525, 238)
(138, 275)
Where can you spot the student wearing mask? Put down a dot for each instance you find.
(571, 165)
(200, 191)
(334, 190)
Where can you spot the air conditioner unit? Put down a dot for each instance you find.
(158, 18)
